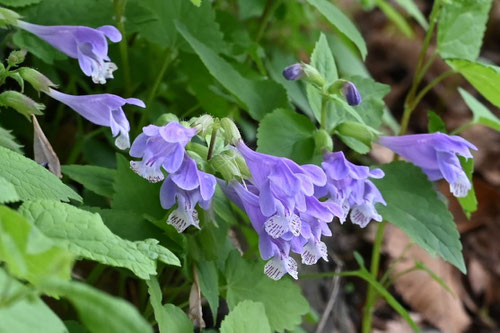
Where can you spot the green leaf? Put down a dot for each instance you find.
(412, 9)
(134, 193)
(25, 314)
(283, 301)
(209, 284)
(7, 140)
(395, 17)
(469, 202)
(7, 191)
(246, 317)
(197, 3)
(84, 234)
(31, 180)
(250, 8)
(18, 3)
(341, 22)
(170, 318)
(28, 253)
(481, 113)
(485, 78)
(97, 179)
(436, 124)
(461, 28)
(281, 132)
(258, 96)
(99, 311)
(200, 21)
(322, 59)
(414, 207)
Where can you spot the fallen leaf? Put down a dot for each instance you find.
(195, 311)
(44, 154)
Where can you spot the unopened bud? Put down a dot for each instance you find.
(228, 164)
(39, 81)
(21, 103)
(322, 141)
(231, 133)
(8, 17)
(351, 94)
(355, 130)
(294, 72)
(16, 57)
(240, 162)
(203, 123)
(165, 119)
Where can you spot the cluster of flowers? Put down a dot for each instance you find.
(90, 47)
(289, 205)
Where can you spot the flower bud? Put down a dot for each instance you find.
(229, 165)
(231, 133)
(8, 17)
(39, 81)
(165, 119)
(351, 94)
(355, 130)
(240, 162)
(203, 123)
(322, 141)
(294, 72)
(16, 57)
(21, 103)
(313, 76)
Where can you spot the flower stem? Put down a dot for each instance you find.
(428, 87)
(119, 15)
(168, 56)
(324, 111)
(463, 127)
(212, 143)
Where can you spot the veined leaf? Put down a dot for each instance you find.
(246, 317)
(481, 113)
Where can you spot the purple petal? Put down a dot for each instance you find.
(111, 32)
(207, 185)
(187, 175)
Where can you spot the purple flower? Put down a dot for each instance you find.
(160, 147)
(187, 186)
(102, 109)
(86, 44)
(294, 72)
(348, 186)
(351, 94)
(436, 154)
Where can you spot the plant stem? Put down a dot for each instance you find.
(324, 111)
(463, 127)
(167, 59)
(271, 6)
(212, 143)
(428, 87)
(119, 15)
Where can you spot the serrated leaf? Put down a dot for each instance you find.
(414, 207)
(7, 140)
(26, 314)
(95, 178)
(322, 59)
(170, 318)
(342, 23)
(281, 131)
(30, 255)
(246, 317)
(461, 28)
(134, 193)
(283, 301)
(485, 78)
(98, 311)
(31, 180)
(19, 3)
(7, 191)
(258, 96)
(84, 234)
(481, 113)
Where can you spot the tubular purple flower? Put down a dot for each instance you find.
(294, 72)
(86, 44)
(102, 109)
(160, 147)
(187, 186)
(351, 94)
(436, 154)
(348, 186)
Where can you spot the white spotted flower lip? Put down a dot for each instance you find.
(86, 44)
(436, 154)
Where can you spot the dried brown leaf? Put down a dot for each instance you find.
(44, 153)
(195, 311)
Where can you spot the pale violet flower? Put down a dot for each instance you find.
(160, 146)
(436, 154)
(86, 44)
(348, 186)
(102, 109)
(294, 72)
(351, 93)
